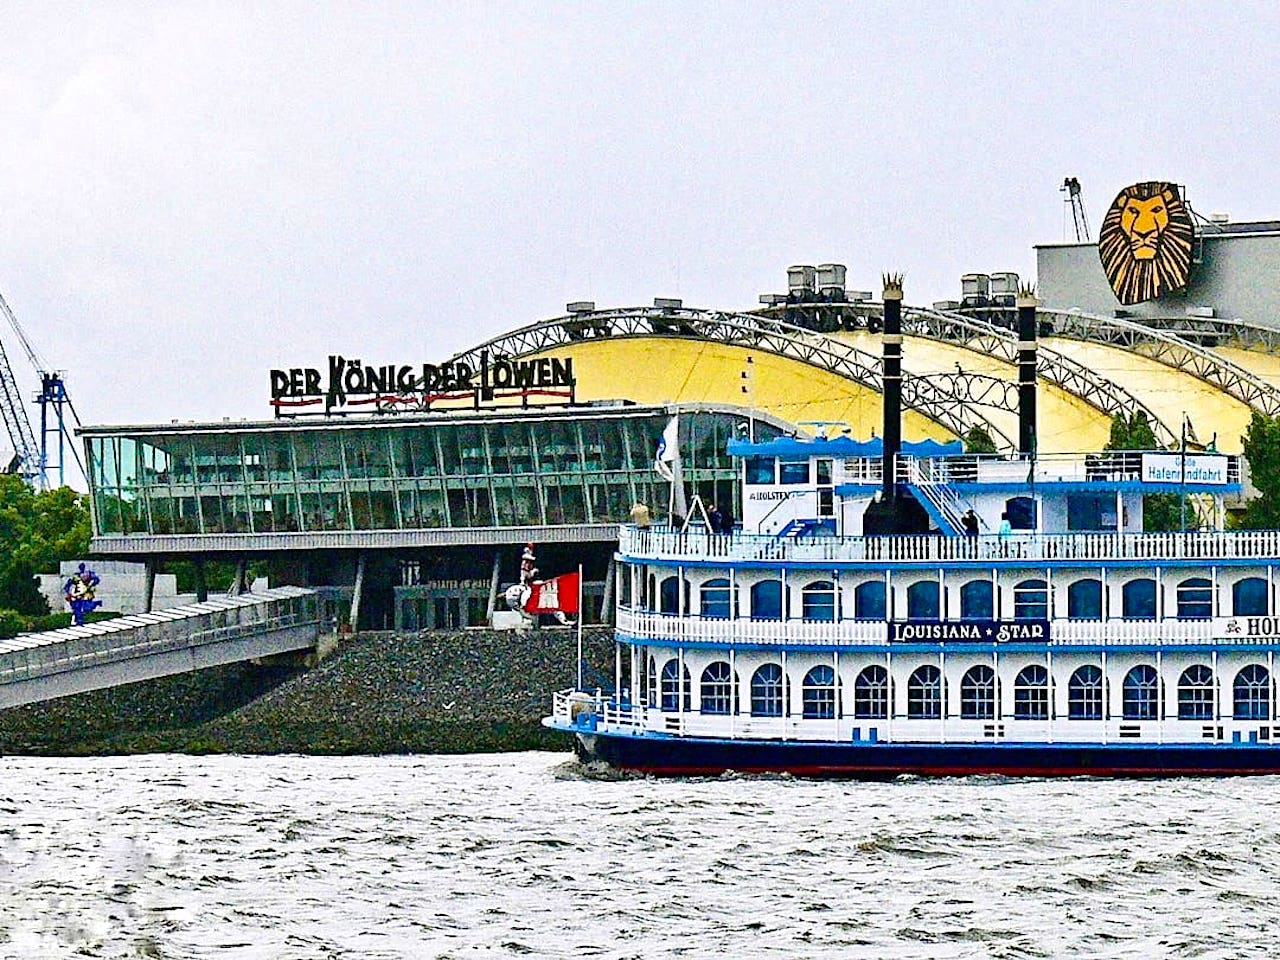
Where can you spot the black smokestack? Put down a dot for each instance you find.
(1027, 332)
(892, 376)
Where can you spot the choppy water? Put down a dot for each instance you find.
(523, 855)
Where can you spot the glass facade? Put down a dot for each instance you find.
(499, 470)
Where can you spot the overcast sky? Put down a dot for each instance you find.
(195, 193)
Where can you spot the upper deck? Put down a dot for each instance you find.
(697, 546)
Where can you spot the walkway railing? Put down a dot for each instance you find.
(129, 638)
(658, 543)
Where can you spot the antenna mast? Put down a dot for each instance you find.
(1071, 189)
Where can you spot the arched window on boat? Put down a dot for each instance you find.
(1139, 599)
(766, 691)
(819, 693)
(1031, 600)
(1084, 694)
(1196, 693)
(978, 693)
(624, 587)
(669, 596)
(718, 601)
(1140, 697)
(923, 600)
(1195, 599)
(869, 601)
(1251, 694)
(977, 600)
(717, 690)
(1031, 693)
(871, 693)
(1084, 599)
(653, 681)
(820, 601)
(766, 600)
(924, 693)
(1022, 513)
(1249, 597)
(675, 692)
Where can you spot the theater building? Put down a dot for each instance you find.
(415, 519)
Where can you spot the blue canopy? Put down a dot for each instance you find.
(839, 447)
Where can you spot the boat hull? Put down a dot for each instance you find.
(695, 756)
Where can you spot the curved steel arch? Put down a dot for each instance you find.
(926, 396)
(982, 336)
(1170, 348)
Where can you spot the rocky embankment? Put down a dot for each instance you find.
(463, 692)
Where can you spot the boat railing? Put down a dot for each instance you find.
(673, 629)
(712, 630)
(664, 543)
(585, 711)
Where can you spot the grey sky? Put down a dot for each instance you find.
(194, 193)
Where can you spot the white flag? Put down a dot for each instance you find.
(668, 450)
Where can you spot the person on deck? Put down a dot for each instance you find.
(640, 515)
(715, 519)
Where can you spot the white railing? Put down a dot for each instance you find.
(659, 626)
(599, 713)
(928, 477)
(663, 543)
(668, 628)
(1116, 466)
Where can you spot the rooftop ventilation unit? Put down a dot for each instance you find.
(1219, 218)
(975, 290)
(830, 278)
(800, 280)
(1004, 289)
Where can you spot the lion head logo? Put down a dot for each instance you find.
(1145, 242)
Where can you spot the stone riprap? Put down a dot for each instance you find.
(458, 692)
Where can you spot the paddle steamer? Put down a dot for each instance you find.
(856, 624)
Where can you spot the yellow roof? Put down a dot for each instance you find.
(658, 369)
(1168, 392)
(673, 370)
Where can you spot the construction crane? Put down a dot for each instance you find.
(1071, 187)
(30, 459)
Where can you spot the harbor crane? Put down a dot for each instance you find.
(33, 461)
(1071, 188)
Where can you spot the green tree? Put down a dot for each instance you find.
(37, 532)
(1134, 433)
(1161, 512)
(1262, 450)
(978, 440)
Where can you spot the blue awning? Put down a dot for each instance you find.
(839, 447)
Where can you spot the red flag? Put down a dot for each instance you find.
(557, 594)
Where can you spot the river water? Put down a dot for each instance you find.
(529, 855)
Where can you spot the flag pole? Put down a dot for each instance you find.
(580, 612)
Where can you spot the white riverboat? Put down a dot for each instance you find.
(1056, 639)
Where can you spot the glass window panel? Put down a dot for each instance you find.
(1249, 597)
(792, 471)
(977, 600)
(1084, 600)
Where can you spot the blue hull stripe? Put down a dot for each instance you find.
(693, 756)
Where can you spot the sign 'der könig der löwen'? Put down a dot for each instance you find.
(350, 386)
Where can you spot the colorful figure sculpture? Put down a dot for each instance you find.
(79, 593)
